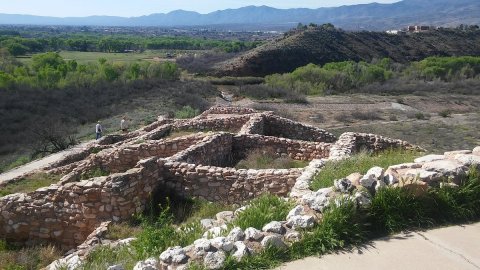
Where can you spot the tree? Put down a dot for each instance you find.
(54, 60)
(17, 49)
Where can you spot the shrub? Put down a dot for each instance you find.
(259, 159)
(186, 112)
(393, 118)
(263, 210)
(343, 117)
(12, 258)
(445, 113)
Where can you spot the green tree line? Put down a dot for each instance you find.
(50, 70)
(18, 45)
(341, 77)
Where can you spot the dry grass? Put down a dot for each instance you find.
(259, 159)
(27, 258)
(29, 184)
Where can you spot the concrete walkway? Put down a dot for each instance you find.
(40, 163)
(451, 248)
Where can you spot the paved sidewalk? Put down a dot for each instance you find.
(40, 163)
(450, 248)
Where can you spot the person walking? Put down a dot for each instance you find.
(98, 130)
(124, 125)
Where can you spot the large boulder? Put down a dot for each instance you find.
(429, 158)
(222, 243)
(476, 151)
(449, 169)
(343, 185)
(318, 200)
(301, 221)
(370, 179)
(236, 234)
(241, 250)
(297, 210)
(175, 255)
(201, 246)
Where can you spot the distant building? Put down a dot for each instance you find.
(418, 28)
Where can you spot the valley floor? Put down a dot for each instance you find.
(445, 248)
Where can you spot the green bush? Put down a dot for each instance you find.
(445, 113)
(263, 210)
(186, 112)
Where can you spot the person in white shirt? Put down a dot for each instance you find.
(124, 125)
(98, 130)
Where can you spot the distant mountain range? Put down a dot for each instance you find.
(366, 16)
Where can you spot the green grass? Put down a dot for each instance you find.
(259, 159)
(97, 172)
(29, 184)
(360, 163)
(263, 210)
(88, 57)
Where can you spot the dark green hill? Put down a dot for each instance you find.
(325, 44)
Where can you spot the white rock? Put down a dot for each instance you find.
(214, 260)
(452, 154)
(208, 223)
(363, 199)
(173, 255)
(273, 240)
(241, 250)
(370, 178)
(318, 200)
(298, 210)
(429, 158)
(447, 168)
(240, 210)
(476, 151)
(149, 264)
(215, 232)
(236, 234)
(253, 234)
(222, 243)
(274, 227)
(201, 246)
(301, 221)
(225, 216)
(343, 185)
(116, 267)
(468, 160)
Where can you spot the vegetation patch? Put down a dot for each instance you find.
(259, 159)
(14, 258)
(29, 184)
(360, 163)
(186, 112)
(263, 210)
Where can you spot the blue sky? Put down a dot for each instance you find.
(128, 8)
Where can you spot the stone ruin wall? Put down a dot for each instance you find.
(193, 166)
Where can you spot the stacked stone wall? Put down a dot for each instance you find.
(233, 124)
(255, 125)
(299, 150)
(286, 128)
(226, 110)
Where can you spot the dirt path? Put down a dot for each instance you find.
(40, 163)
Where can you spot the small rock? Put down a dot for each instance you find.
(208, 223)
(214, 260)
(390, 179)
(344, 185)
(173, 255)
(362, 199)
(241, 250)
(293, 236)
(201, 247)
(298, 210)
(236, 234)
(274, 227)
(476, 151)
(149, 264)
(116, 267)
(355, 179)
(371, 177)
(222, 243)
(301, 221)
(273, 240)
(253, 234)
(215, 232)
(225, 216)
(318, 200)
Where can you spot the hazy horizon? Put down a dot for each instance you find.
(77, 8)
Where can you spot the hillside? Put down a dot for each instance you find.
(372, 16)
(325, 44)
